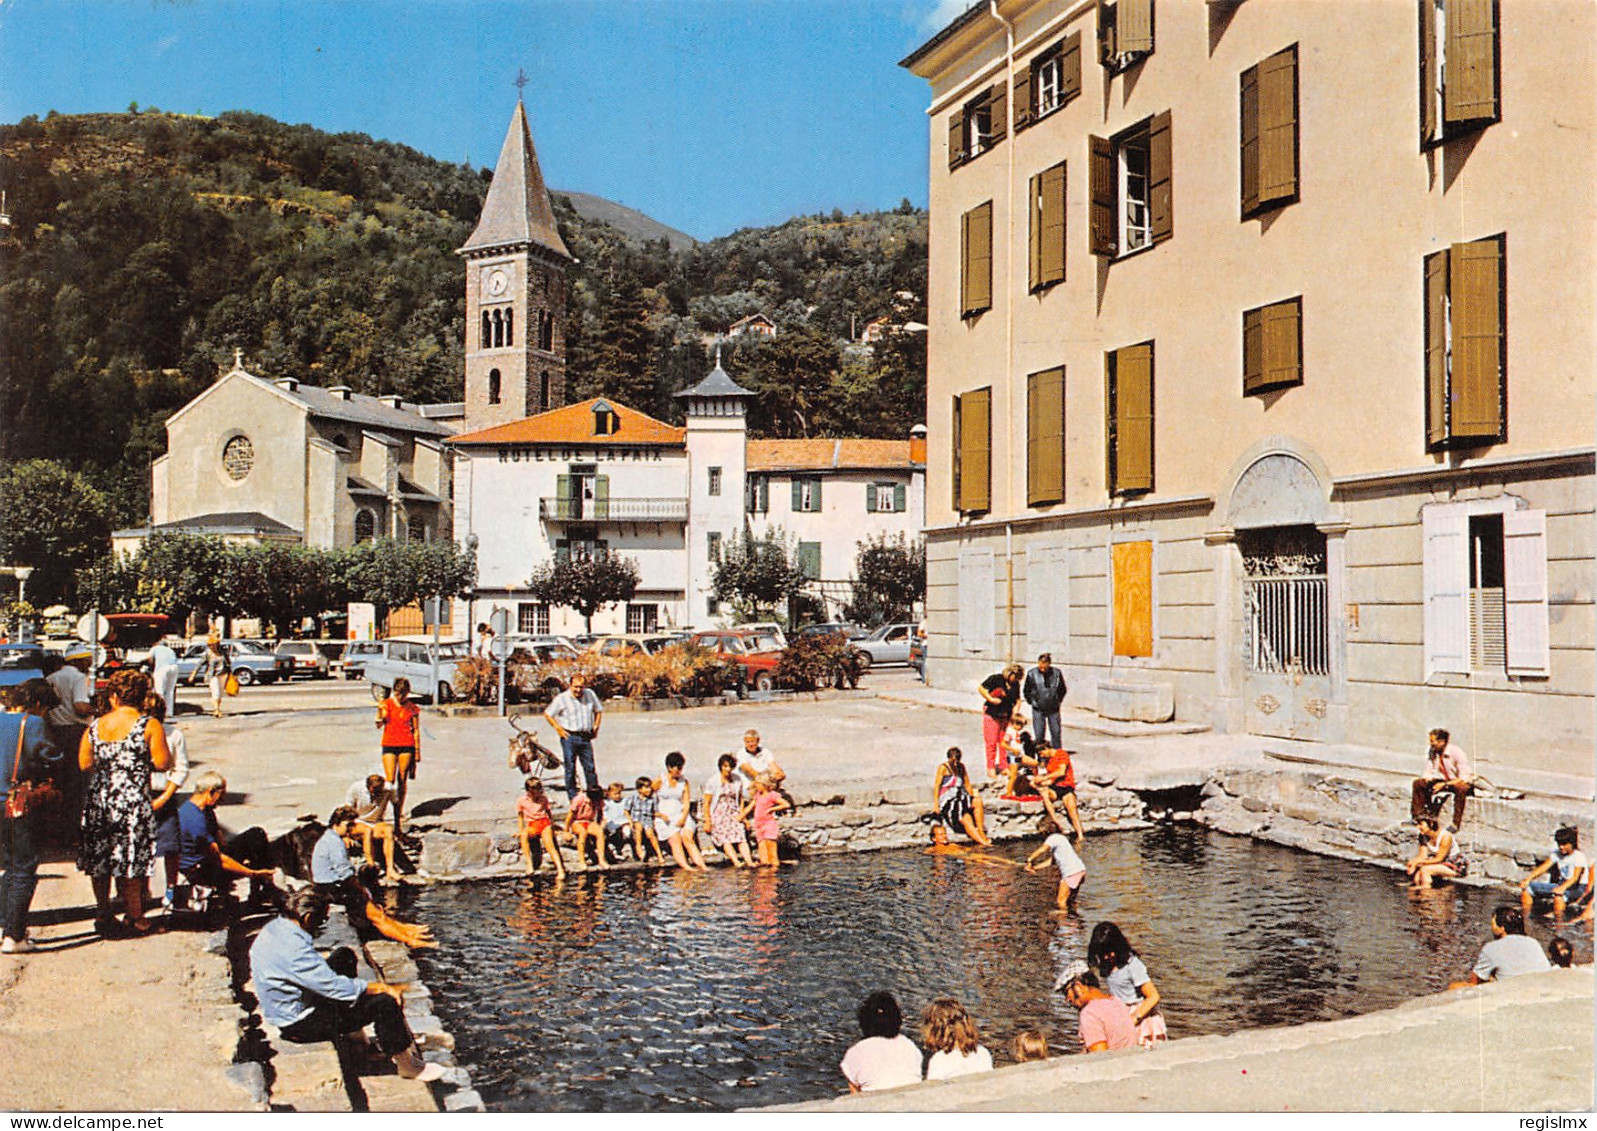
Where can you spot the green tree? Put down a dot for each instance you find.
(889, 579)
(391, 575)
(585, 583)
(56, 521)
(281, 584)
(758, 575)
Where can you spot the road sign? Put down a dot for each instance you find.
(94, 628)
(432, 612)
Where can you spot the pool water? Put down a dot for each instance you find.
(665, 990)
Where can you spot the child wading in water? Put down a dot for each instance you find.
(1071, 870)
(537, 823)
(764, 807)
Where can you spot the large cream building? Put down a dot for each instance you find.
(1261, 363)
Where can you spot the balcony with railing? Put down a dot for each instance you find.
(560, 508)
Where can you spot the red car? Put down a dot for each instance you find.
(757, 652)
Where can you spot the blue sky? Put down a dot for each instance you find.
(709, 115)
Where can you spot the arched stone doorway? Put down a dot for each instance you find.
(1281, 639)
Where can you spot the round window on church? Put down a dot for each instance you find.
(238, 457)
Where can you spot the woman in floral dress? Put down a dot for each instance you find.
(122, 747)
(723, 812)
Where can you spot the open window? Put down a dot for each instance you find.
(1466, 369)
(1130, 179)
(1460, 81)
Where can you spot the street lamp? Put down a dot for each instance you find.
(23, 573)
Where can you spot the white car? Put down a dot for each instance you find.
(306, 657)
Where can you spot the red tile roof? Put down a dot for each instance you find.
(828, 455)
(573, 425)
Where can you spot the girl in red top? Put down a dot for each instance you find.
(400, 721)
(537, 823)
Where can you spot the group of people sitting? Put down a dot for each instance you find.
(741, 798)
(1116, 1002)
(131, 762)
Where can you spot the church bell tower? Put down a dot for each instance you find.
(516, 286)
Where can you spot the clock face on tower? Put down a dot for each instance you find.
(495, 282)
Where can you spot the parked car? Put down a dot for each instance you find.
(582, 641)
(19, 663)
(252, 660)
(535, 642)
(134, 634)
(352, 660)
(617, 647)
(766, 626)
(887, 645)
(302, 657)
(757, 653)
(412, 657)
(830, 628)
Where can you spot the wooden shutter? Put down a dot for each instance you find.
(1436, 348)
(1134, 27)
(977, 281)
(1252, 351)
(1161, 216)
(977, 601)
(1446, 581)
(1070, 68)
(1132, 579)
(870, 498)
(1430, 128)
(563, 506)
(601, 496)
(1131, 395)
(956, 139)
(1034, 234)
(798, 495)
(998, 111)
(1281, 328)
(1475, 298)
(1103, 231)
(1048, 600)
(1106, 31)
(1278, 127)
(956, 468)
(1048, 227)
(1525, 592)
(975, 455)
(1023, 97)
(1045, 437)
(899, 504)
(1470, 67)
(809, 560)
(1250, 141)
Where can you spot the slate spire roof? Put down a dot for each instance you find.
(517, 210)
(718, 383)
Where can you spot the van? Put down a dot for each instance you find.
(412, 657)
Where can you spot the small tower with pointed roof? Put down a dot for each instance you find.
(717, 439)
(516, 286)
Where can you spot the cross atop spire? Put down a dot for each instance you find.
(521, 81)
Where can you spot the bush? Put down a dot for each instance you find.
(816, 661)
(686, 670)
(476, 682)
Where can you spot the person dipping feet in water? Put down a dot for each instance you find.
(536, 821)
(642, 807)
(1071, 870)
(956, 805)
(1568, 882)
(763, 808)
(1439, 856)
(723, 812)
(673, 822)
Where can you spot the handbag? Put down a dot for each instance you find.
(231, 686)
(26, 797)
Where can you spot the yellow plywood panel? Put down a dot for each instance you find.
(1133, 597)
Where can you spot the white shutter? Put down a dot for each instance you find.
(1048, 601)
(1525, 586)
(976, 615)
(1446, 581)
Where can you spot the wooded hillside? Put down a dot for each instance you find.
(145, 247)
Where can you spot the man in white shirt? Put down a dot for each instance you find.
(754, 760)
(370, 800)
(576, 714)
(1447, 770)
(163, 674)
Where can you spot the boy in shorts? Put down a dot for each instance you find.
(617, 822)
(641, 808)
(1056, 781)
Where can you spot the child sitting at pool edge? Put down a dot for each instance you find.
(764, 807)
(536, 822)
(642, 808)
(617, 821)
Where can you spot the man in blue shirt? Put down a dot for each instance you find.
(202, 858)
(25, 747)
(335, 878)
(310, 998)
